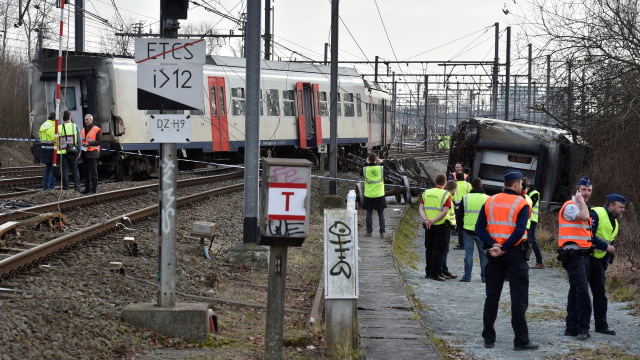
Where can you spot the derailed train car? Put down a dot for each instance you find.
(548, 156)
(294, 109)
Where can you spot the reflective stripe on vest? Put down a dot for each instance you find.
(462, 190)
(502, 216)
(472, 204)
(534, 210)
(373, 181)
(605, 230)
(575, 231)
(530, 202)
(91, 137)
(65, 138)
(47, 134)
(452, 216)
(434, 200)
(453, 175)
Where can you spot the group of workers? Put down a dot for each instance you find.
(71, 144)
(502, 227)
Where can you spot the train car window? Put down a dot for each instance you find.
(324, 105)
(237, 101)
(214, 107)
(289, 102)
(520, 159)
(348, 105)
(151, 112)
(69, 96)
(302, 106)
(359, 105)
(273, 102)
(221, 100)
(261, 104)
(196, 112)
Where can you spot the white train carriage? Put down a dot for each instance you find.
(548, 156)
(294, 108)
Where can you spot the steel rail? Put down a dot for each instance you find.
(115, 194)
(42, 253)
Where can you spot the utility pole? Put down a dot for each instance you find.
(267, 30)
(79, 27)
(507, 75)
(496, 64)
(529, 85)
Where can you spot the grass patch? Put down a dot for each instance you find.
(403, 244)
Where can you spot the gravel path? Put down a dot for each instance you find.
(455, 312)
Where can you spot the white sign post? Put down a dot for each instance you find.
(170, 128)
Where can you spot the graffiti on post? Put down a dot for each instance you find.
(343, 233)
(285, 175)
(284, 228)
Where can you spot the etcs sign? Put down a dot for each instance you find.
(170, 74)
(169, 128)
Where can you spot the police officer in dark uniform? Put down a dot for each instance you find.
(604, 225)
(575, 241)
(502, 226)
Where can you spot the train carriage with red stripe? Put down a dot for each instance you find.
(294, 109)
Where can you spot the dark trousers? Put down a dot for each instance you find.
(531, 236)
(597, 284)
(70, 162)
(435, 242)
(369, 221)
(578, 300)
(513, 266)
(90, 174)
(445, 268)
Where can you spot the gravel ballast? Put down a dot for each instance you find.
(455, 312)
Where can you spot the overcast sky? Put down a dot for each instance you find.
(395, 30)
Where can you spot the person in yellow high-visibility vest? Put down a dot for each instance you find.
(451, 187)
(47, 136)
(604, 224)
(434, 207)
(374, 193)
(471, 204)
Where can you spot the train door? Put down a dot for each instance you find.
(218, 110)
(383, 112)
(309, 121)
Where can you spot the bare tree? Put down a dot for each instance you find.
(597, 44)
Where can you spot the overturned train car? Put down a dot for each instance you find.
(548, 156)
(294, 110)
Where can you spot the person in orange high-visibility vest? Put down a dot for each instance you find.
(91, 140)
(575, 239)
(501, 226)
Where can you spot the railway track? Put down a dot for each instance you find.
(43, 253)
(26, 171)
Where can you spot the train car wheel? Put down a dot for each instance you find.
(407, 190)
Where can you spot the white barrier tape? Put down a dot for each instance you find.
(18, 139)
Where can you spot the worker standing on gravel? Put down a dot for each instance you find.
(531, 231)
(471, 205)
(575, 239)
(47, 136)
(374, 193)
(502, 226)
(451, 187)
(91, 140)
(434, 208)
(604, 225)
(463, 189)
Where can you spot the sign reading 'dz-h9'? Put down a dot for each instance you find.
(170, 74)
